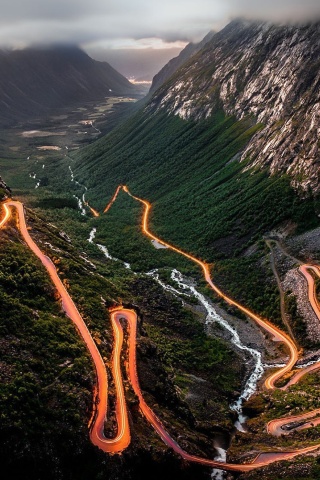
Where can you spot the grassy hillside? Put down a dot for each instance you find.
(202, 199)
(47, 376)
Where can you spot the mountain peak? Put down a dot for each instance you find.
(175, 63)
(268, 72)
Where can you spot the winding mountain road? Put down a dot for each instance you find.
(275, 332)
(122, 438)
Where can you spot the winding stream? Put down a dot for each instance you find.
(212, 317)
(104, 249)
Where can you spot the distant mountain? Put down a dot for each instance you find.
(172, 66)
(34, 81)
(270, 73)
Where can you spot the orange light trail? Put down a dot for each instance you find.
(122, 440)
(113, 199)
(92, 210)
(262, 459)
(273, 330)
(7, 215)
(274, 426)
(304, 269)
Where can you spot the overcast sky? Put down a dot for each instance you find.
(134, 35)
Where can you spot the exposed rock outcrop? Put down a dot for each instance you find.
(294, 282)
(269, 72)
(5, 191)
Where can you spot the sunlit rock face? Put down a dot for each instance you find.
(269, 72)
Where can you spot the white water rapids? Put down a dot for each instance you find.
(71, 173)
(81, 202)
(188, 290)
(80, 205)
(34, 176)
(104, 249)
(212, 317)
(217, 474)
(92, 235)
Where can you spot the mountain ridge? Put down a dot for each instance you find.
(172, 66)
(269, 72)
(36, 80)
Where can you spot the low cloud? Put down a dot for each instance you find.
(85, 21)
(39, 21)
(112, 25)
(277, 10)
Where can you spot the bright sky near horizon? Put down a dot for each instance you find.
(128, 29)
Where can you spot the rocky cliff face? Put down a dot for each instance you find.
(268, 72)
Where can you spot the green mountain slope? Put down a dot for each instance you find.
(202, 199)
(205, 201)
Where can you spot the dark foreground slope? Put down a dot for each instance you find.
(34, 81)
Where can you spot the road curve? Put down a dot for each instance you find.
(92, 210)
(311, 288)
(275, 427)
(113, 199)
(305, 271)
(7, 215)
(271, 329)
(297, 422)
(263, 458)
(122, 439)
(297, 376)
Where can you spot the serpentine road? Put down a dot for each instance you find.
(122, 439)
